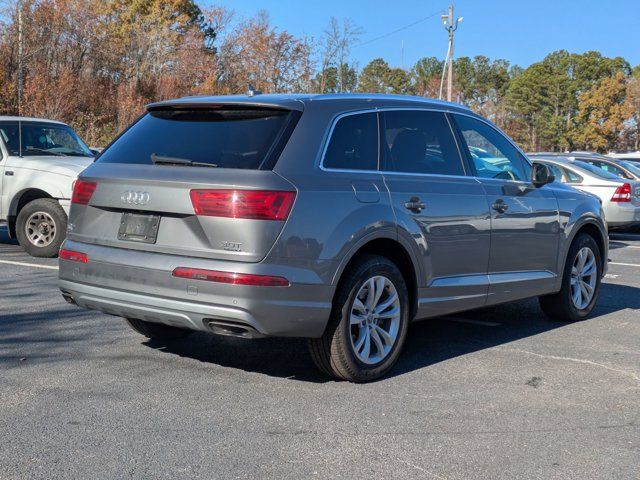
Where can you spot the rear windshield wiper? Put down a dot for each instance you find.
(166, 160)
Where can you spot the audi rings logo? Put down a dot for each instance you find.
(135, 198)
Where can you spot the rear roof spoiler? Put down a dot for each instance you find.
(239, 102)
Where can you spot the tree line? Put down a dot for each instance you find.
(95, 64)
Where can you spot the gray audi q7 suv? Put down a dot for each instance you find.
(339, 218)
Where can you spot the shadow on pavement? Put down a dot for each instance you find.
(428, 342)
(66, 333)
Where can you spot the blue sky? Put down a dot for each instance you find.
(521, 31)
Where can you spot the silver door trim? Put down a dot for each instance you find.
(491, 278)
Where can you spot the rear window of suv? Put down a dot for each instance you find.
(225, 137)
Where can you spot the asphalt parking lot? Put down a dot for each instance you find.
(500, 393)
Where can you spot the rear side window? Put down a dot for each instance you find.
(419, 142)
(573, 177)
(226, 138)
(354, 143)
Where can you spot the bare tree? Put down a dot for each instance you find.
(335, 48)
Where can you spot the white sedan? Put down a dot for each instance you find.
(620, 197)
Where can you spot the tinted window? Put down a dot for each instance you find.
(43, 139)
(419, 142)
(227, 138)
(492, 154)
(354, 143)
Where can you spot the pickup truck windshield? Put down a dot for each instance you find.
(42, 139)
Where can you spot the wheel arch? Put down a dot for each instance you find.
(592, 228)
(18, 202)
(393, 249)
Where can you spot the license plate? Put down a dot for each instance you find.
(135, 227)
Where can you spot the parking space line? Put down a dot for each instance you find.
(474, 322)
(33, 265)
(625, 264)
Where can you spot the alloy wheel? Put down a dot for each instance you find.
(583, 278)
(375, 320)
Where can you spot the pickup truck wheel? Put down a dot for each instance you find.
(41, 227)
(580, 282)
(158, 331)
(368, 323)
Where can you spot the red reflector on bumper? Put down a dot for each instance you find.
(73, 256)
(230, 277)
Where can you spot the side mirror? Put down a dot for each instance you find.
(541, 175)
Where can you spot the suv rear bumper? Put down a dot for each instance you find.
(140, 285)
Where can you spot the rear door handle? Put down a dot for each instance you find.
(8, 173)
(415, 205)
(499, 206)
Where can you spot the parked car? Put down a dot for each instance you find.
(631, 157)
(618, 167)
(39, 161)
(339, 218)
(620, 197)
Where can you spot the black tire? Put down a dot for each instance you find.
(333, 353)
(50, 208)
(158, 331)
(560, 306)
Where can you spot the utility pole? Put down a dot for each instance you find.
(20, 77)
(451, 26)
(20, 54)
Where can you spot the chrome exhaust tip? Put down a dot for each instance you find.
(231, 329)
(68, 298)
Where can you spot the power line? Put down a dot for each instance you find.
(397, 30)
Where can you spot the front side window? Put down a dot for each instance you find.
(419, 142)
(354, 143)
(42, 139)
(492, 154)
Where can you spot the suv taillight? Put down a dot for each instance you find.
(622, 193)
(250, 204)
(82, 192)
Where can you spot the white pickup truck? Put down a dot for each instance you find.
(40, 159)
